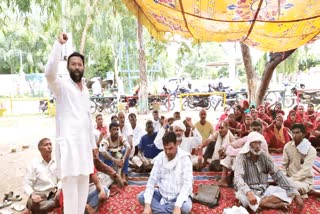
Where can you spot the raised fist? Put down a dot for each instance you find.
(63, 38)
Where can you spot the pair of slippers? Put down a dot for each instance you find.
(11, 197)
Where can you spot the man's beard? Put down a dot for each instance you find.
(255, 152)
(76, 75)
(179, 138)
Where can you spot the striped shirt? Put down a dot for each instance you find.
(252, 175)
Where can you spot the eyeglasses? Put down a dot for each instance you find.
(220, 127)
(256, 129)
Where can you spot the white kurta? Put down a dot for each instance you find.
(74, 129)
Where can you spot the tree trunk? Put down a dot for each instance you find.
(251, 74)
(89, 10)
(143, 92)
(274, 60)
(116, 70)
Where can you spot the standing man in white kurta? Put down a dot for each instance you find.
(74, 129)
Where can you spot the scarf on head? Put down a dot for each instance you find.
(254, 136)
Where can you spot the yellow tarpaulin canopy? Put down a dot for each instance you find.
(268, 25)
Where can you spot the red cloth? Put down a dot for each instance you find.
(271, 139)
(103, 130)
(233, 126)
(265, 118)
(245, 129)
(222, 118)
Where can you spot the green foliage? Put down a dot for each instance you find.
(260, 65)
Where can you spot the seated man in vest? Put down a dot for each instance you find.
(170, 183)
(41, 182)
(115, 151)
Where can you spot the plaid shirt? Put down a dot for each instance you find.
(174, 183)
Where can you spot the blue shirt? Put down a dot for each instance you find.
(147, 146)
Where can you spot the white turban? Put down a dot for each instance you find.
(254, 136)
(179, 123)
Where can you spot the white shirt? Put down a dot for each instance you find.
(74, 128)
(187, 143)
(138, 132)
(96, 88)
(126, 131)
(40, 177)
(174, 178)
(156, 125)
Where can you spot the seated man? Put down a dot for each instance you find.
(97, 194)
(147, 149)
(115, 152)
(203, 125)
(233, 149)
(172, 174)
(137, 132)
(298, 158)
(277, 135)
(101, 127)
(41, 183)
(252, 167)
(216, 145)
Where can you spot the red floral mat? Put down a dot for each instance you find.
(126, 202)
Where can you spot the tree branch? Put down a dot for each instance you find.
(274, 60)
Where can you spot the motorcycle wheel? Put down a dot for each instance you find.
(185, 105)
(190, 102)
(271, 97)
(207, 105)
(172, 105)
(113, 107)
(93, 107)
(288, 102)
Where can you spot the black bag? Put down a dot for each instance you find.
(208, 195)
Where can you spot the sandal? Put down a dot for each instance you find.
(16, 198)
(8, 196)
(5, 204)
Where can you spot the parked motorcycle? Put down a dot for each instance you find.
(202, 101)
(179, 90)
(162, 100)
(306, 97)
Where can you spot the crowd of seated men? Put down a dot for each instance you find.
(238, 145)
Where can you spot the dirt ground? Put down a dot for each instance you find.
(27, 130)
